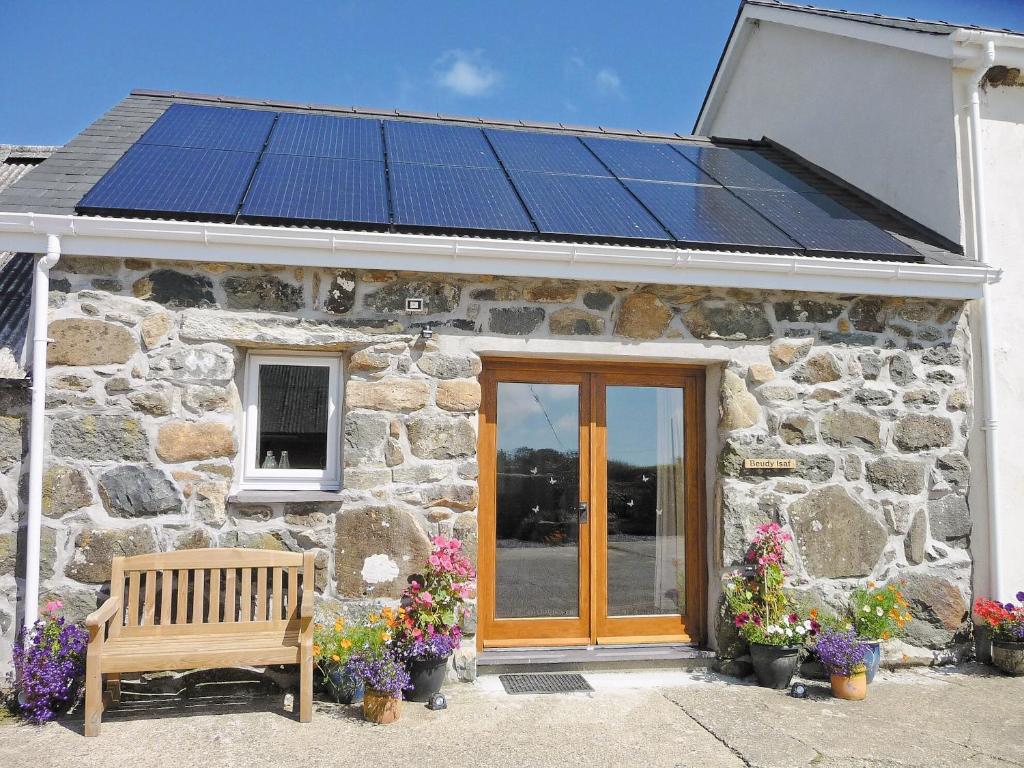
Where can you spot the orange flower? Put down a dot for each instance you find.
(373, 618)
(892, 587)
(346, 643)
(385, 637)
(814, 613)
(871, 585)
(317, 650)
(335, 657)
(894, 614)
(879, 598)
(885, 635)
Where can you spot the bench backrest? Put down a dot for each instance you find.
(209, 591)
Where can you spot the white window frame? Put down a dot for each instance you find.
(255, 478)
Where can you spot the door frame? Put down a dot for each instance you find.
(593, 628)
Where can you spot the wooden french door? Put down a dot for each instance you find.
(591, 524)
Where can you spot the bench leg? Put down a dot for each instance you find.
(306, 687)
(114, 688)
(93, 697)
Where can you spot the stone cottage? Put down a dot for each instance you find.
(600, 359)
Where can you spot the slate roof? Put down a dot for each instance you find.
(909, 23)
(62, 180)
(15, 269)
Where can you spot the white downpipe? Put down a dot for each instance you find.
(37, 416)
(990, 423)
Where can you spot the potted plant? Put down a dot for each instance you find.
(877, 614)
(843, 655)
(764, 613)
(49, 666)
(375, 661)
(433, 603)
(332, 649)
(1006, 624)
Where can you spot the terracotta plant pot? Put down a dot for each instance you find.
(850, 687)
(774, 665)
(380, 708)
(1008, 657)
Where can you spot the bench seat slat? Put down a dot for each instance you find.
(155, 654)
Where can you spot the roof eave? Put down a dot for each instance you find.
(256, 244)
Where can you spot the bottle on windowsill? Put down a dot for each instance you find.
(269, 462)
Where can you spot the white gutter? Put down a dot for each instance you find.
(290, 246)
(990, 424)
(37, 416)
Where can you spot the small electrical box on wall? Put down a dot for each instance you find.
(415, 306)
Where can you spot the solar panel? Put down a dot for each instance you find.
(349, 138)
(585, 205)
(545, 153)
(819, 223)
(191, 125)
(708, 215)
(646, 160)
(173, 180)
(431, 144)
(745, 168)
(456, 198)
(319, 189)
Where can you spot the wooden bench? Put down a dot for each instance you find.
(202, 608)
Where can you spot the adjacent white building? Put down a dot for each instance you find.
(886, 103)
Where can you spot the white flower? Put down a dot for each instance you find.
(789, 632)
(801, 631)
(867, 609)
(879, 611)
(807, 624)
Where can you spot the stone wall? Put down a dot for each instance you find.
(869, 395)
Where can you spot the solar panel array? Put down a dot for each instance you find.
(261, 166)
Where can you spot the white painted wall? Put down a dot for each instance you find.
(894, 123)
(1003, 137)
(854, 108)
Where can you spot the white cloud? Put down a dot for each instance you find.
(608, 82)
(465, 73)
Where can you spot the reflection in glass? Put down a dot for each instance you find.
(537, 557)
(293, 416)
(646, 567)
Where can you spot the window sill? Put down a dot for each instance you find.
(282, 495)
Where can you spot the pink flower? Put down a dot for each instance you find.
(52, 607)
(426, 598)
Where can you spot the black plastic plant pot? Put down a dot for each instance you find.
(774, 665)
(427, 677)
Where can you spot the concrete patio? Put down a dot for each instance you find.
(924, 717)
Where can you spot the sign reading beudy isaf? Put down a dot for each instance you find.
(769, 463)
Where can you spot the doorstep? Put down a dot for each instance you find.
(493, 661)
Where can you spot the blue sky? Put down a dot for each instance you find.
(594, 62)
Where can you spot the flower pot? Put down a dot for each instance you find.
(427, 677)
(850, 687)
(1008, 657)
(380, 707)
(983, 644)
(872, 658)
(774, 665)
(345, 688)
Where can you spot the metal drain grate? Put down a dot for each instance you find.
(548, 682)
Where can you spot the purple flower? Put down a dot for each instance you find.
(437, 646)
(1009, 606)
(385, 675)
(49, 664)
(1020, 597)
(840, 652)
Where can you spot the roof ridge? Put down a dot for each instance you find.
(438, 117)
(869, 17)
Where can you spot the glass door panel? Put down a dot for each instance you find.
(646, 502)
(537, 531)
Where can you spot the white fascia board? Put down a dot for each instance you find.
(938, 45)
(336, 249)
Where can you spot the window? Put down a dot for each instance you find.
(292, 415)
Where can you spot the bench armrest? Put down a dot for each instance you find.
(306, 607)
(104, 613)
